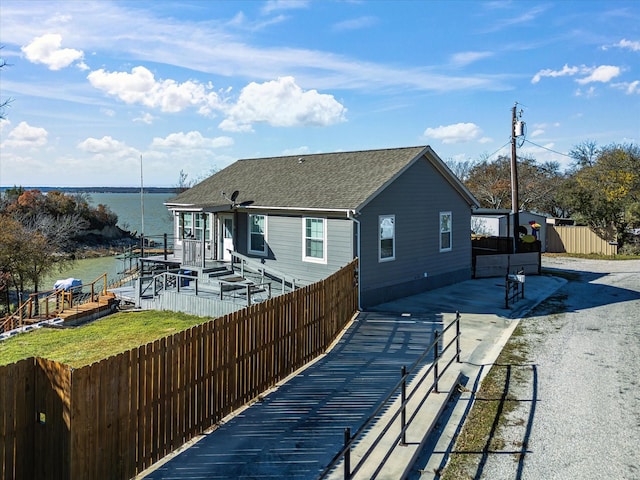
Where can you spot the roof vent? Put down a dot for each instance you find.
(301, 160)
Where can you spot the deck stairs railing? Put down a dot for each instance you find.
(51, 304)
(243, 279)
(249, 266)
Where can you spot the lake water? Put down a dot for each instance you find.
(128, 207)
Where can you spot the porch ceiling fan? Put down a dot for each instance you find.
(232, 199)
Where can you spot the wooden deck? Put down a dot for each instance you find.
(86, 312)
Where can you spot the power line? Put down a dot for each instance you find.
(549, 149)
(489, 156)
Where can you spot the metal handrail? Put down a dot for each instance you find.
(258, 267)
(349, 439)
(247, 288)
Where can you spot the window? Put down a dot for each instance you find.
(387, 245)
(186, 225)
(314, 234)
(445, 231)
(257, 234)
(227, 226)
(193, 225)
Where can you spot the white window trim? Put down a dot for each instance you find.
(305, 258)
(450, 247)
(393, 256)
(257, 252)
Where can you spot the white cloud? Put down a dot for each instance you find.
(634, 46)
(589, 92)
(539, 129)
(274, 5)
(566, 70)
(456, 133)
(191, 140)
(303, 150)
(282, 103)
(465, 58)
(24, 135)
(107, 146)
(141, 87)
(356, 23)
(47, 50)
(629, 88)
(603, 74)
(536, 133)
(145, 118)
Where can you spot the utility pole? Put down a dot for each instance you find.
(514, 179)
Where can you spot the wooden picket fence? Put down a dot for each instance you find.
(115, 418)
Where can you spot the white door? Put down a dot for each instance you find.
(226, 234)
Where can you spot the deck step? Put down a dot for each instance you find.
(218, 272)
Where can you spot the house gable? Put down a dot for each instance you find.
(416, 200)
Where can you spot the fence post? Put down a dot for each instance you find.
(165, 245)
(435, 361)
(347, 453)
(506, 290)
(458, 337)
(403, 414)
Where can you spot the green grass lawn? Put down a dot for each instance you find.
(94, 341)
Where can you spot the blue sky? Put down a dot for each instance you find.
(196, 85)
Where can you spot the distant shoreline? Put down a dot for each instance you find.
(100, 189)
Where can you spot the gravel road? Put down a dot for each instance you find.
(579, 417)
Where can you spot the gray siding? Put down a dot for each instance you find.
(284, 239)
(416, 199)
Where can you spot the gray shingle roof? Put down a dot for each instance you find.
(331, 181)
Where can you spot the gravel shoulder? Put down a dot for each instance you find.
(578, 414)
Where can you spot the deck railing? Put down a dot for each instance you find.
(247, 263)
(49, 304)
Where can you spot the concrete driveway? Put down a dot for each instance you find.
(295, 430)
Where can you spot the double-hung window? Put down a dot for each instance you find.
(445, 231)
(387, 240)
(258, 234)
(314, 235)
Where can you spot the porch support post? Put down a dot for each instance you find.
(204, 236)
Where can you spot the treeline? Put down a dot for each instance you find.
(601, 188)
(102, 189)
(40, 233)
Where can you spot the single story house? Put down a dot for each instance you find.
(400, 211)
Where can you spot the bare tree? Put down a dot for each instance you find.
(461, 168)
(3, 103)
(585, 154)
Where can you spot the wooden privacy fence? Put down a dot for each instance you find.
(115, 418)
(577, 239)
